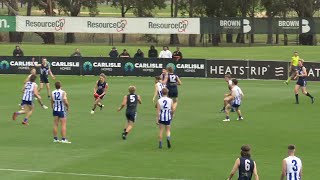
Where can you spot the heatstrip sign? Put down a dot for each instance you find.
(108, 25)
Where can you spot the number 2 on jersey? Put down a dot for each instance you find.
(165, 103)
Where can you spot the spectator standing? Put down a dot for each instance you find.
(77, 53)
(153, 53)
(177, 55)
(165, 53)
(18, 52)
(139, 54)
(124, 54)
(114, 53)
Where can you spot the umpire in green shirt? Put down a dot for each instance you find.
(294, 66)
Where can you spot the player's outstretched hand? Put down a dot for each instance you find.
(53, 77)
(119, 109)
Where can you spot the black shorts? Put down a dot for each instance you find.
(173, 93)
(131, 116)
(302, 83)
(44, 79)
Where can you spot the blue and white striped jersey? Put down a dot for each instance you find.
(237, 94)
(58, 104)
(165, 109)
(160, 86)
(29, 91)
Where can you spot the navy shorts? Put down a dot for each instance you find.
(173, 93)
(44, 79)
(60, 114)
(26, 103)
(131, 116)
(235, 105)
(302, 83)
(167, 123)
(96, 96)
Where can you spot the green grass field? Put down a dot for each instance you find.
(309, 53)
(204, 147)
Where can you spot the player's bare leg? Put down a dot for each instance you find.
(239, 114)
(305, 92)
(55, 129)
(40, 88)
(16, 114)
(29, 111)
(296, 92)
(228, 107)
(175, 103)
(127, 129)
(161, 128)
(48, 89)
(168, 132)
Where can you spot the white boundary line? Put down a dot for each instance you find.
(89, 175)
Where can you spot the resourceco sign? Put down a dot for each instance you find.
(108, 25)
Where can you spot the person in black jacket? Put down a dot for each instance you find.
(177, 55)
(18, 51)
(114, 53)
(77, 53)
(139, 54)
(153, 53)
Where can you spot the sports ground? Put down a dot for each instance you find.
(204, 147)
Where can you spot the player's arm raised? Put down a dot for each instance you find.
(155, 93)
(284, 169)
(234, 169)
(35, 65)
(139, 100)
(158, 113)
(124, 102)
(255, 171)
(65, 101)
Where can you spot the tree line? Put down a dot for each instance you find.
(179, 8)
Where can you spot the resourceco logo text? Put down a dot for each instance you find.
(57, 25)
(180, 26)
(119, 26)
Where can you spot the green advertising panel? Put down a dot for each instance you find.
(7, 23)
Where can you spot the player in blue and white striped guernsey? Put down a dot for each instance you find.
(60, 106)
(30, 90)
(292, 165)
(33, 72)
(157, 89)
(164, 116)
(236, 95)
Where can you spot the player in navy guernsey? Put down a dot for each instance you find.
(164, 116)
(302, 82)
(60, 106)
(99, 90)
(172, 81)
(45, 71)
(163, 74)
(131, 101)
(245, 165)
(30, 90)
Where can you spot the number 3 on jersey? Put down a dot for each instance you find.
(132, 98)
